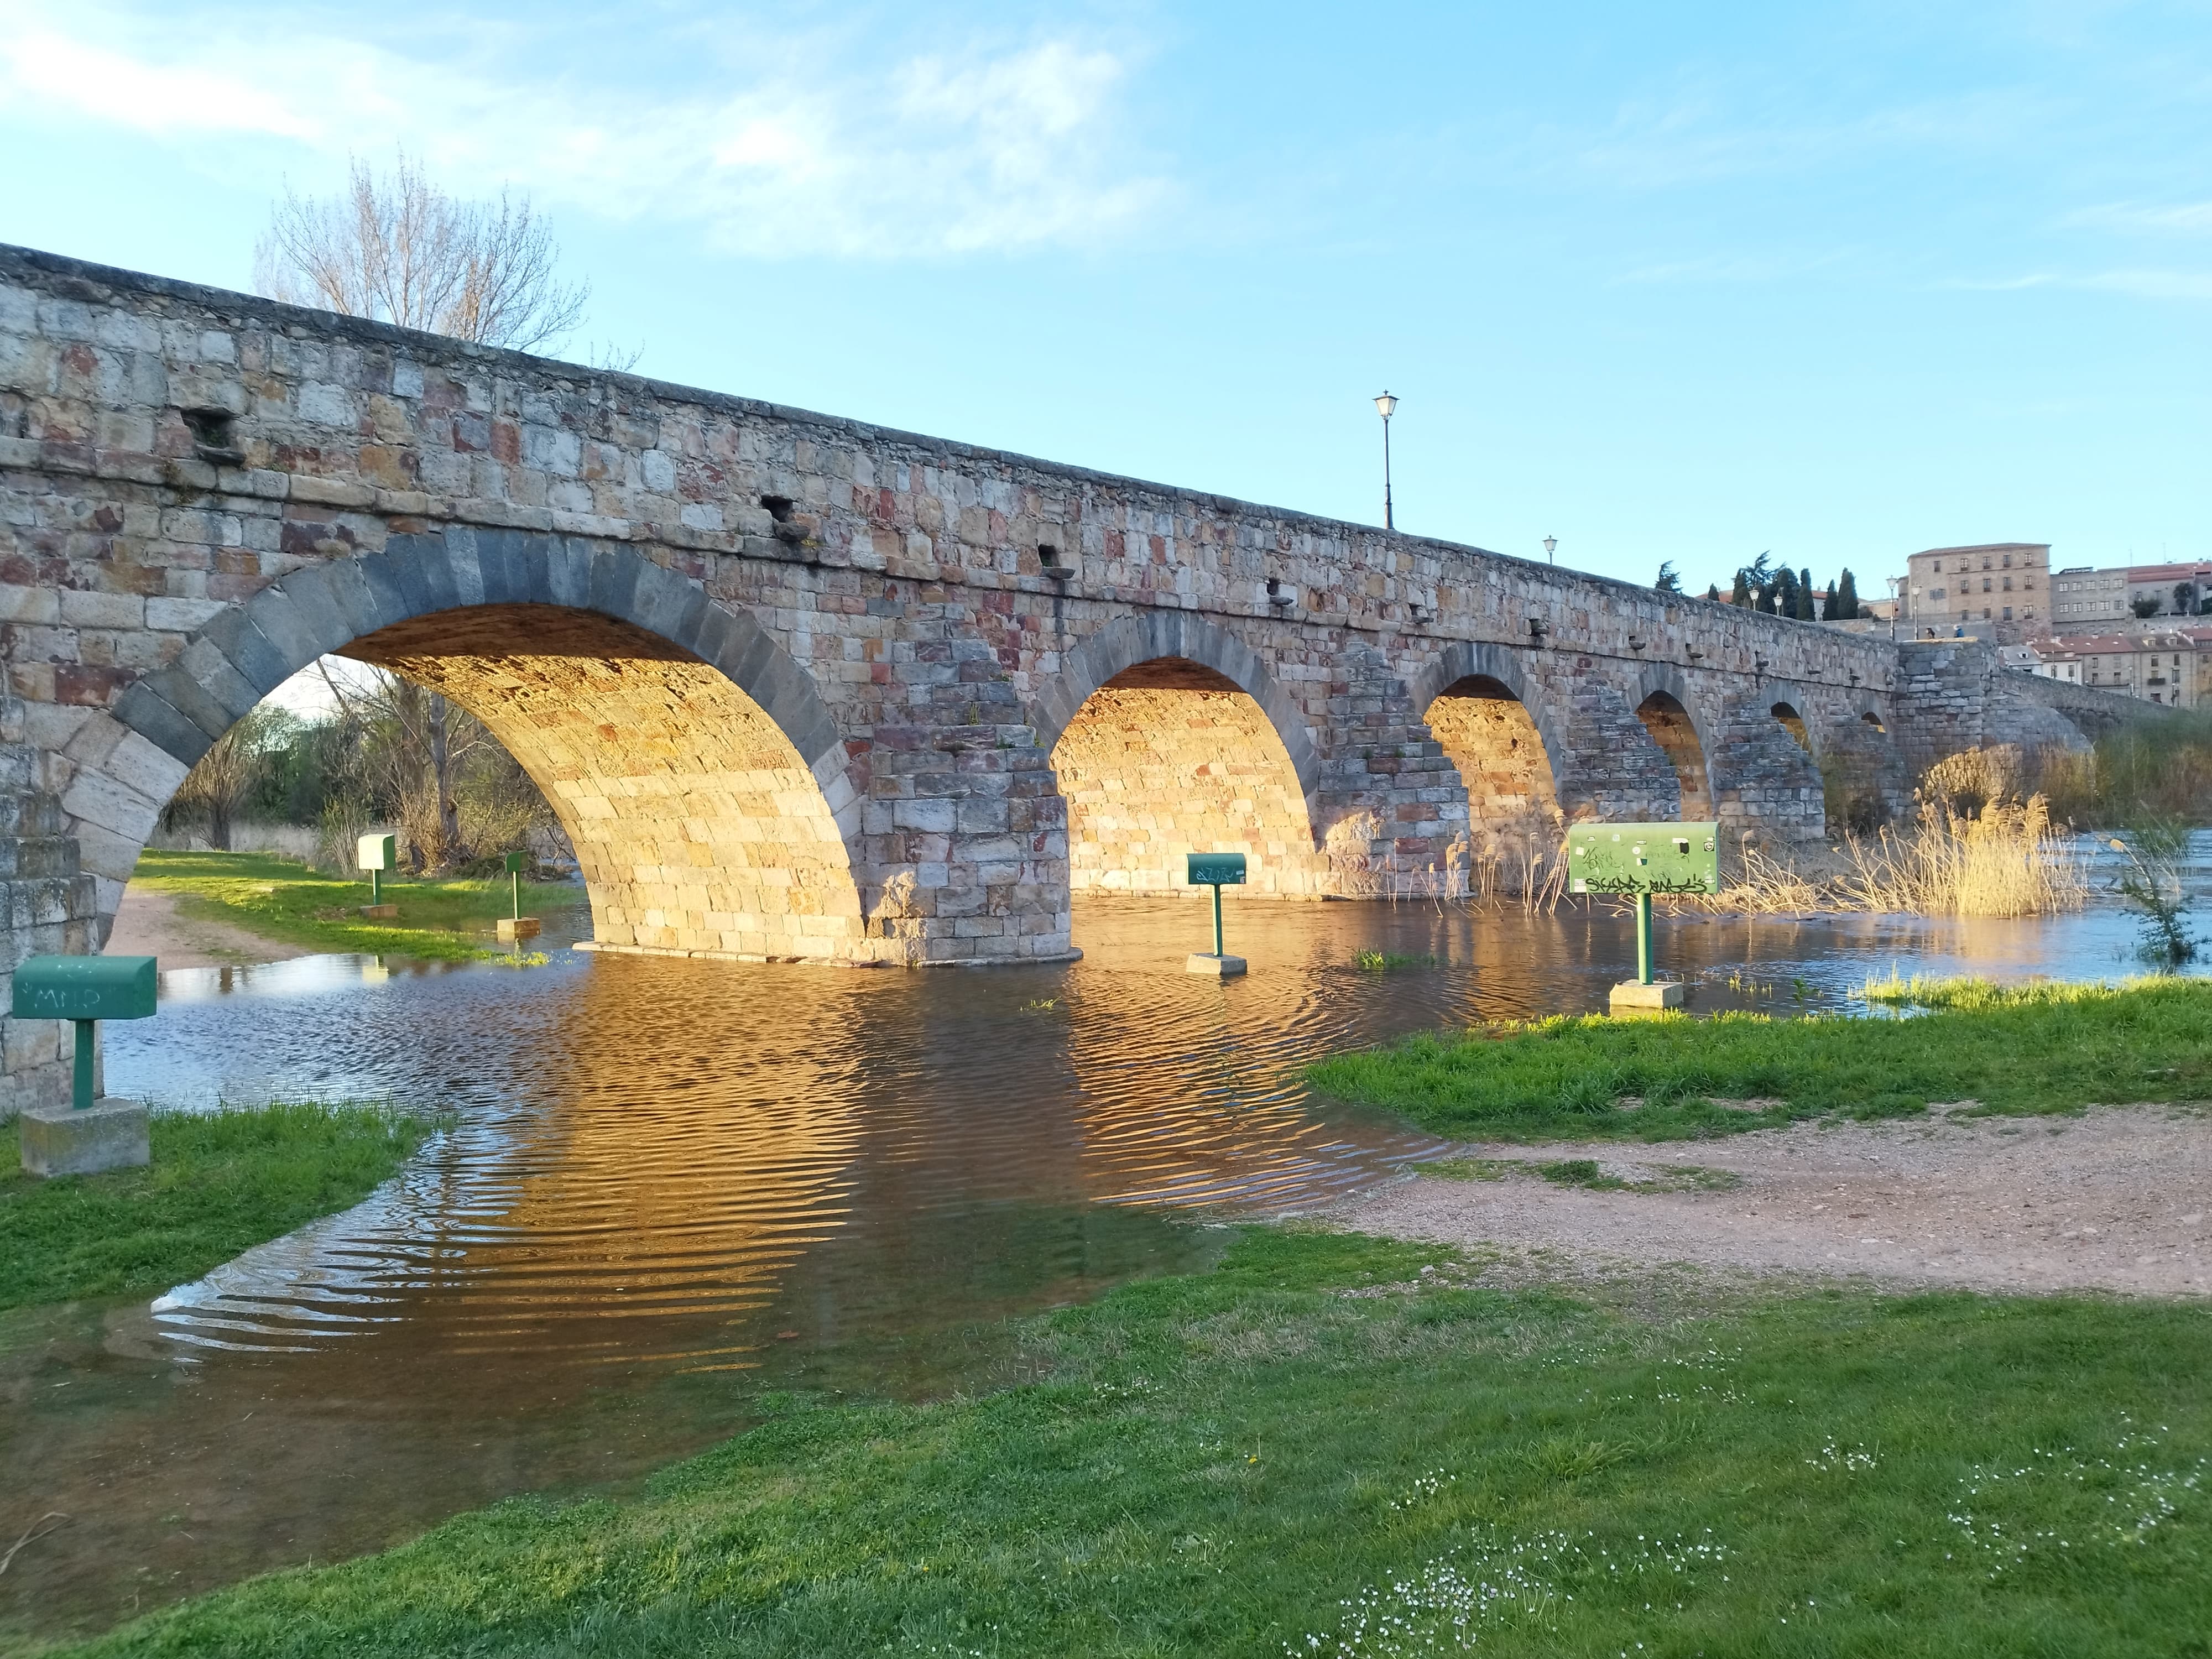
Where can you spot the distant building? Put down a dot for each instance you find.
(2081, 597)
(2180, 589)
(2006, 585)
(2171, 666)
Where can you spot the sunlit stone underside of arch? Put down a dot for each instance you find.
(1168, 757)
(696, 822)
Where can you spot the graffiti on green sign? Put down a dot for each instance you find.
(1214, 869)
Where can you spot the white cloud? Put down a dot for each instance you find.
(825, 147)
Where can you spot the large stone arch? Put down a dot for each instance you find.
(1168, 735)
(704, 783)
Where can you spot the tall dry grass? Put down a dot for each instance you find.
(2006, 861)
(1983, 843)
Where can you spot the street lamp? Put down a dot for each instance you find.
(1386, 406)
(1551, 546)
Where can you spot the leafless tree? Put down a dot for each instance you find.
(223, 777)
(418, 739)
(398, 248)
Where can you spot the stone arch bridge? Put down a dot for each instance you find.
(801, 687)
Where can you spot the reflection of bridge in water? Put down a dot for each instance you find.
(803, 689)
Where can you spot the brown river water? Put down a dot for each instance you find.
(673, 1187)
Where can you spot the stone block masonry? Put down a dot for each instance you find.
(805, 687)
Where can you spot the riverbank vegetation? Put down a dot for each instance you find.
(2030, 1048)
(1336, 1445)
(280, 899)
(390, 754)
(220, 1183)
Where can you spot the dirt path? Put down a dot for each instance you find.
(2114, 1200)
(148, 924)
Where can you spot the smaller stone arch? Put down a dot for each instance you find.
(1168, 736)
(1475, 700)
(1664, 706)
(1788, 716)
(1468, 659)
(1122, 645)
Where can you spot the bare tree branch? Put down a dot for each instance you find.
(398, 249)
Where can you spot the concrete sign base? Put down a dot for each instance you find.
(110, 1134)
(1661, 994)
(1205, 962)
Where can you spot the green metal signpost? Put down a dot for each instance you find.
(1639, 859)
(1217, 871)
(90, 1135)
(83, 989)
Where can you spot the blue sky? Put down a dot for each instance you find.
(1666, 281)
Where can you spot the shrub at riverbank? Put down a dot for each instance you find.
(443, 920)
(2025, 1049)
(1254, 1462)
(220, 1183)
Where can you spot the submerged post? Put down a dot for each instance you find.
(1636, 860)
(516, 926)
(1217, 871)
(87, 1135)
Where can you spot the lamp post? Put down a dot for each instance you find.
(1386, 406)
(1551, 546)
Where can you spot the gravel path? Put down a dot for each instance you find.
(2117, 1199)
(147, 924)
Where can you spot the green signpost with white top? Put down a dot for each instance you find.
(376, 854)
(1636, 861)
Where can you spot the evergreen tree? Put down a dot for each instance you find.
(1741, 593)
(1847, 598)
(1668, 582)
(1782, 597)
(1804, 610)
(1713, 594)
(1828, 601)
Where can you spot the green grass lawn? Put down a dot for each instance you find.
(278, 899)
(2039, 1047)
(220, 1183)
(1251, 1461)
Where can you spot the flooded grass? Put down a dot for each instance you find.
(2037, 1049)
(1338, 1445)
(279, 899)
(220, 1183)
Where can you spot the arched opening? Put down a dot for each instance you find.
(1668, 722)
(703, 783)
(696, 823)
(1513, 820)
(1794, 724)
(1873, 719)
(1170, 757)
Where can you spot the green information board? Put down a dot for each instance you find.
(1644, 858)
(1214, 869)
(84, 989)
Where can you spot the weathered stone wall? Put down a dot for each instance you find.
(200, 492)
